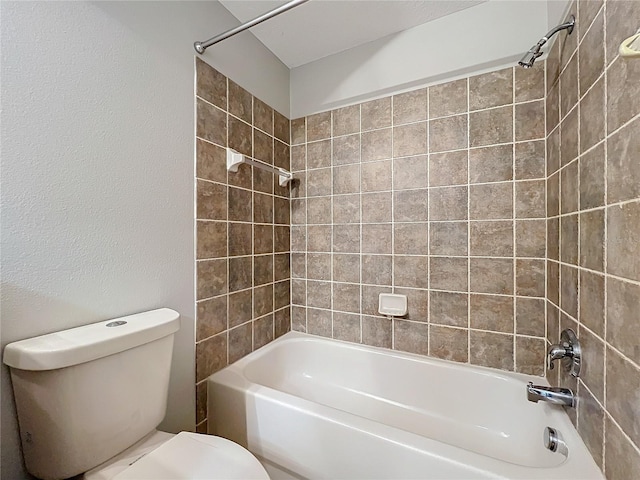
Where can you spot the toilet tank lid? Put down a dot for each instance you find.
(90, 342)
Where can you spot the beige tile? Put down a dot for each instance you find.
(448, 238)
(553, 151)
(410, 107)
(281, 127)
(318, 126)
(530, 355)
(346, 179)
(448, 98)
(553, 107)
(491, 164)
(240, 102)
(262, 239)
(346, 327)
(319, 266)
(530, 316)
(492, 201)
(240, 136)
(410, 205)
(592, 178)
(346, 238)
(493, 239)
(375, 176)
(262, 180)
(569, 86)
(299, 319)
(448, 274)
(491, 89)
(530, 199)
(448, 168)
(346, 297)
(346, 120)
(591, 424)
(411, 238)
(346, 150)
(262, 116)
(410, 172)
(623, 164)
(448, 133)
(553, 280)
(211, 317)
(319, 238)
(281, 239)
(319, 294)
(529, 83)
(377, 269)
(488, 127)
(376, 238)
(553, 238)
(298, 265)
(448, 203)
(262, 146)
(319, 322)
(376, 207)
(491, 275)
(262, 208)
(529, 160)
(417, 303)
(569, 136)
(591, 54)
(346, 208)
(529, 120)
(569, 290)
(211, 84)
(376, 331)
(211, 201)
(281, 211)
(298, 131)
(211, 240)
(569, 244)
(298, 158)
(530, 238)
(448, 308)
(410, 271)
(592, 240)
(448, 343)
(282, 322)
(262, 331)
(592, 364)
(410, 140)
(491, 312)
(623, 232)
(262, 300)
(282, 267)
(201, 402)
(586, 12)
(211, 123)
(491, 350)
(262, 269)
(411, 337)
(319, 182)
(376, 114)
(319, 210)
(319, 154)
(530, 278)
(212, 278)
(211, 356)
(622, 376)
(370, 296)
(592, 302)
(240, 273)
(592, 117)
(211, 163)
(623, 327)
(346, 268)
(622, 460)
(376, 145)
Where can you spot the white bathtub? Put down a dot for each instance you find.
(314, 408)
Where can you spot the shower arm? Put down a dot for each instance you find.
(565, 26)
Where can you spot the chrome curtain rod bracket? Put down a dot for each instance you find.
(202, 46)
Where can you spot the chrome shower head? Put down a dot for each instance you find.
(534, 52)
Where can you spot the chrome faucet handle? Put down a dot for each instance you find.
(568, 351)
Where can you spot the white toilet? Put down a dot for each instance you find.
(89, 400)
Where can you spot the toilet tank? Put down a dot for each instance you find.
(86, 394)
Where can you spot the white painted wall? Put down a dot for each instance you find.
(485, 37)
(97, 169)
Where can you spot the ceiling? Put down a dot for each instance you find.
(320, 28)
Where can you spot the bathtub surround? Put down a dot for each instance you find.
(242, 232)
(437, 194)
(593, 201)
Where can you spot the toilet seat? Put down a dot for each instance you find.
(189, 456)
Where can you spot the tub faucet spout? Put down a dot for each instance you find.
(554, 395)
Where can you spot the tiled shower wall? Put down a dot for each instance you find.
(593, 128)
(437, 194)
(242, 246)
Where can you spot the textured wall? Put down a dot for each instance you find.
(438, 194)
(242, 233)
(593, 128)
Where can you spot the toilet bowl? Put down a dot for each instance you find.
(89, 400)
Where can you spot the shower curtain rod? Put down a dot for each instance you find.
(202, 46)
